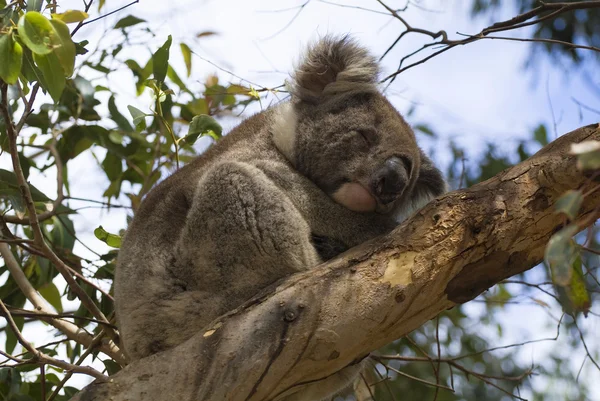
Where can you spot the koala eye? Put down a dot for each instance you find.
(368, 134)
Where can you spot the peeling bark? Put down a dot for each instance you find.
(317, 322)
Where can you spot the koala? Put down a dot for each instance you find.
(289, 188)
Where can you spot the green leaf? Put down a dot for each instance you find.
(64, 48)
(187, 57)
(130, 20)
(30, 71)
(34, 5)
(11, 54)
(560, 255)
(569, 203)
(80, 47)
(577, 292)
(424, 129)
(117, 117)
(51, 294)
(541, 135)
(62, 234)
(112, 240)
(71, 16)
(35, 31)
(54, 77)
(203, 125)
(11, 338)
(139, 117)
(175, 78)
(112, 166)
(8, 179)
(111, 366)
(160, 61)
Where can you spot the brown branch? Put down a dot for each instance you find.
(96, 340)
(40, 357)
(71, 330)
(37, 315)
(317, 322)
(59, 191)
(545, 11)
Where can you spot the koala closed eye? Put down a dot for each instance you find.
(369, 135)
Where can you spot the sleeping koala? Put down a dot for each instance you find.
(287, 189)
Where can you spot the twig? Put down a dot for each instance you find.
(83, 23)
(43, 378)
(543, 12)
(37, 315)
(290, 22)
(69, 329)
(40, 357)
(584, 344)
(95, 341)
(428, 383)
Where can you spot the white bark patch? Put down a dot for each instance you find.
(212, 331)
(399, 270)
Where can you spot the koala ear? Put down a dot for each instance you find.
(430, 184)
(332, 66)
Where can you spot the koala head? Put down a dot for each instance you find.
(342, 133)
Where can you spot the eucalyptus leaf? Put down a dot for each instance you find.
(128, 21)
(112, 240)
(52, 70)
(203, 125)
(35, 31)
(117, 117)
(561, 252)
(11, 54)
(186, 52)
(541, 135)
(52, 295)
(139, 117)
(569, 203)
(63, 46)
(71, 16)
(160, 61)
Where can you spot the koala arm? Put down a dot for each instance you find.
(334, 228)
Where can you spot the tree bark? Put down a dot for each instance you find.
(315, 323)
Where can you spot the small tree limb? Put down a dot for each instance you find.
(71, 330)
(315, 323)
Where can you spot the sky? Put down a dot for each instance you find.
(472, 95)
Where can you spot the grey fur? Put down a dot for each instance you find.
(334, 66)
(258, 206)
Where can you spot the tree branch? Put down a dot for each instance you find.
(544, 11)
(41, 305)
(315, 323)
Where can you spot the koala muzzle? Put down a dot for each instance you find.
(390, 180)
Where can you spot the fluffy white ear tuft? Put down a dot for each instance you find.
(283, 128)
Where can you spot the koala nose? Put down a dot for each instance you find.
(390, 180)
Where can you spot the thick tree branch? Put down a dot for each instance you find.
(316, 323)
